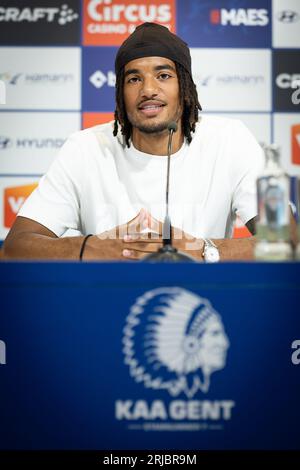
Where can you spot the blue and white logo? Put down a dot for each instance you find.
(174, 340)
(225, 23)
(98, 93)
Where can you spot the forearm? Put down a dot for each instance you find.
(229, 249)
(236, 248)
(36, 246)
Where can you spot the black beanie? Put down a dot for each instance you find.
(150, 40)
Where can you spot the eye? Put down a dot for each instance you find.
(133, 80)
(164, 76)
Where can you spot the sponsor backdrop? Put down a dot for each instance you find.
(57, 73)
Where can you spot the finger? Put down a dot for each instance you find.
(137, 253)
(133, 255)
(155, 224)
(139, 223)
(142, 248)
(142, 238)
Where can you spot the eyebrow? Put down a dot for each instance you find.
(157, 68)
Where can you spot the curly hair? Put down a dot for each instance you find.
(189, 101)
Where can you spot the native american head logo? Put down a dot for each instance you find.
(174, 340)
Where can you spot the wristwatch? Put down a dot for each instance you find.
(210, 251)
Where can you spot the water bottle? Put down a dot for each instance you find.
(273, 226)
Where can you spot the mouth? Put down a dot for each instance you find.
(151, 108)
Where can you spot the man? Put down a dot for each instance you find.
(109, 181)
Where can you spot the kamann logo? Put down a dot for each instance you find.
(14, 198)
(62, 16)
(174, 340)
(39, 78)
(239, 17)
(109, 22)
(9, 78)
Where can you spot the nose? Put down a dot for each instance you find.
(225, 341)
(149, 87)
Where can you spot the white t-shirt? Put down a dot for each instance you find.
(97, 183)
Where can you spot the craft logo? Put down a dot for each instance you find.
(13, 200)
(2, 353)
(296, 354)
(109, 22)
(61, 16)
(287, 16)
(40, 22)
(174, 341)
(295, 139)
(239, 17)
(287, 80)
(296, 94)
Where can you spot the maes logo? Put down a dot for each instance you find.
(174, 340)
(62, 16)
(109, 22)
(240, 16)
(13, 200)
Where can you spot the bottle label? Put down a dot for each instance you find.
(273, 202)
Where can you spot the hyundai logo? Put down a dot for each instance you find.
(5, 142)
(288, 16)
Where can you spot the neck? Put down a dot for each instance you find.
(156, 144)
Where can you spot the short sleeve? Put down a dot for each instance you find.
(55, 202)
(247, 162)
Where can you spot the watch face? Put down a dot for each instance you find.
(211, 254)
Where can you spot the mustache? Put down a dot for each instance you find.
(151, 102)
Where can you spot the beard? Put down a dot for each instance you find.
(154, 127)
(151, 128)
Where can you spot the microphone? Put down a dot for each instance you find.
(167, 252)
(167, 232)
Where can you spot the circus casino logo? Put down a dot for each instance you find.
(109, 22)
(173, 342)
